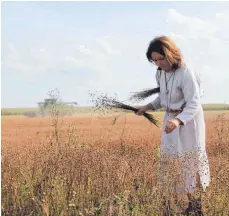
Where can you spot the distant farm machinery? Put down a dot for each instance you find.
(51, 105)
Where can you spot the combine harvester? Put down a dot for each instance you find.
(51, 105)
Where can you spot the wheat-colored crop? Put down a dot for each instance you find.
(97, 172)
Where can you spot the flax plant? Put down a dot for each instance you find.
(101, 177)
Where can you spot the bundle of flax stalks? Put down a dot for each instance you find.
(141, 95)
(103, 101)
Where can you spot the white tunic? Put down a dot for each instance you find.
(187, 141)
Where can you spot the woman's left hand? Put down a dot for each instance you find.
(172, 124)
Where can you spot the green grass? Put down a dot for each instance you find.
(88, 110)
(215, 106)
(20, 111)
(17, 111)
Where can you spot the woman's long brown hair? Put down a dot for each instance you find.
(166, 47)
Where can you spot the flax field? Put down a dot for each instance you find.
(99, 165)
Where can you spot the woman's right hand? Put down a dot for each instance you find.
(141, 110)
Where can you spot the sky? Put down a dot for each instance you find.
(82, 47)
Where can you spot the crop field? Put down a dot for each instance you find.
(97, 165)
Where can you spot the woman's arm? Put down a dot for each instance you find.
(190, 90)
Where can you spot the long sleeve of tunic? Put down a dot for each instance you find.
(190, 89)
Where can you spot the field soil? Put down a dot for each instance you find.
(21, 130)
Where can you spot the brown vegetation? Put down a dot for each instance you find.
(98, 166)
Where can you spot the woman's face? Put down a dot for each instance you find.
(161, 61)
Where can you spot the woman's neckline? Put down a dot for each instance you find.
(169, 72)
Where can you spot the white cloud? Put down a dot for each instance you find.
(192, 27)
(105, 42)
(223, 17)
(174, 16)
(205, 49)
(82, 49)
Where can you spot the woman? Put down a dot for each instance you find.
(183, 136)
